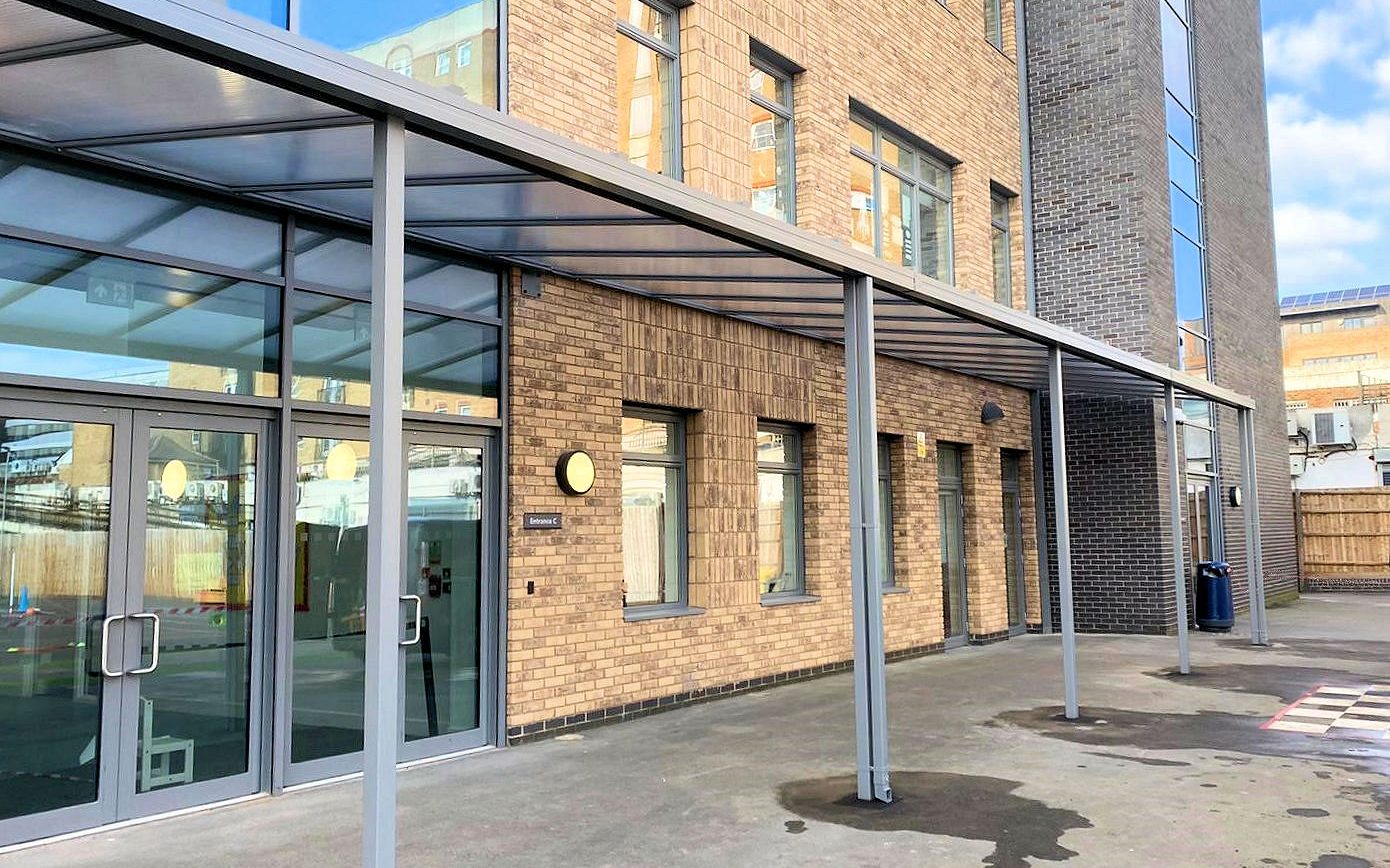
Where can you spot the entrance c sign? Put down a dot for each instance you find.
(575, 472)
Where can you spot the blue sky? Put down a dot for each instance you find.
(1327, 65)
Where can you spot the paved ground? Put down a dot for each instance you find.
(1163, 771)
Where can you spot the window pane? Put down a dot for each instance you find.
(778, 447)
(450, 365)
(408, 36)
(648, 436)
(936, 173)
(861, 204)
(779, 533)
(936, 237)
(1187, 216)
(1177, 69)
(999, 211)
(896, 199)
(1189, 284)
(651, 535)
(770, 157)
(653, 22)
(993, 25)
(1182, 169)
(342, 262)
(861, 137)
(1180, 125)
(1003, 290)
(645, 104)
(45, 199)
(773, 88)
(885, 513)
(1192, 353)
(948, 461)
(897, 155)
(65, 313)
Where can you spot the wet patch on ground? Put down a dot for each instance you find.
(940, 803)
(1288, 683)
(1365, 650)
(1142, 760)
(1309, 812)
(1377, 798)
(1340, 860)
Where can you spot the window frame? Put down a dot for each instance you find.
(677, 460)
(915, 181)
(796, 468)
(1004, 226)
(672, 162)
(762, 60)
(995, 37)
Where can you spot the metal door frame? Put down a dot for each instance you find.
(956, 489)
(135, 804)
(1016, 547)
(490, 610)
(103, 809)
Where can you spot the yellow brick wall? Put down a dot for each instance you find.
(927, 67)
(577, 354)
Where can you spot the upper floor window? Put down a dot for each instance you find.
(649, 85)
(654, 508)
(773, 140)
(1001, 242)
(1357, 322)
(1310, 328)
(994, 23)
(420, 39)
(780, 529)
(900, 202)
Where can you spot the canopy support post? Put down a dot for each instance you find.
(1170, 415)
(1056, 403)
(385, 493)
(866, 574)
(1254, 558)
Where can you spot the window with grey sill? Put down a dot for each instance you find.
(648, 85)
(1001, 241)
(780, 530)
(772, 154)
(885, 511)
(994, 23)
(654, 511)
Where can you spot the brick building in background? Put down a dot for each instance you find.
(219, 392)
(1153, 231)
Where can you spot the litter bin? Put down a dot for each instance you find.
(1215, 609)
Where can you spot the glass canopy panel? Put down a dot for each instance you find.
(31, 27)
(537, 239)
(107, 93)
(66, 313)
(732, 267)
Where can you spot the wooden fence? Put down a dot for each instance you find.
(1343, 538)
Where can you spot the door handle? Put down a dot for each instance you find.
(106, 643)
(416, 639)
(154, 646)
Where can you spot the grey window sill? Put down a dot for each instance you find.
(652, 613)
(893, 589)
(785, 599)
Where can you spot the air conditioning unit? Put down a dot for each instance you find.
(1293, 424)
(1332, 428)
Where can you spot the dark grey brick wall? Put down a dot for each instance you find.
(1103, 260)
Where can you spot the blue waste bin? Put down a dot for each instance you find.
(1216, 610)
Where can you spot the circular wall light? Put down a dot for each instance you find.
(575, 472)
(340, 465)
(1237, 495)
(173, 480)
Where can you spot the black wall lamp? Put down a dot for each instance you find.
(991, 413)
(575, 472)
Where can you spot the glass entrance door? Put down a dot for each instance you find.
(62, 567)
(130, 560)
(191, 718)
(954, 607)
(446, 673)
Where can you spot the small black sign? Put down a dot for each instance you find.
(541, 521)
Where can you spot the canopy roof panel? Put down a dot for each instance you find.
(210, 98)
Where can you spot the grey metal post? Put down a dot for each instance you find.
(1254, 558)
(1063, 521)
(385, 549)
(1170, 413)
(866, 576)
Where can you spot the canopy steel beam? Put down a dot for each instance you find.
(1056, 404)
(870, 708)
(386, 497)
(417, 181)
(184, 134)
(1170, 415)
(85, 45)
(1254, 557)
(535, 222)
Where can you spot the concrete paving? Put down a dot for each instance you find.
(1163, 770)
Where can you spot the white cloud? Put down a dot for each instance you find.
(1381, 71)
(1350, 33)
(1314, 152)
(1316, 244)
